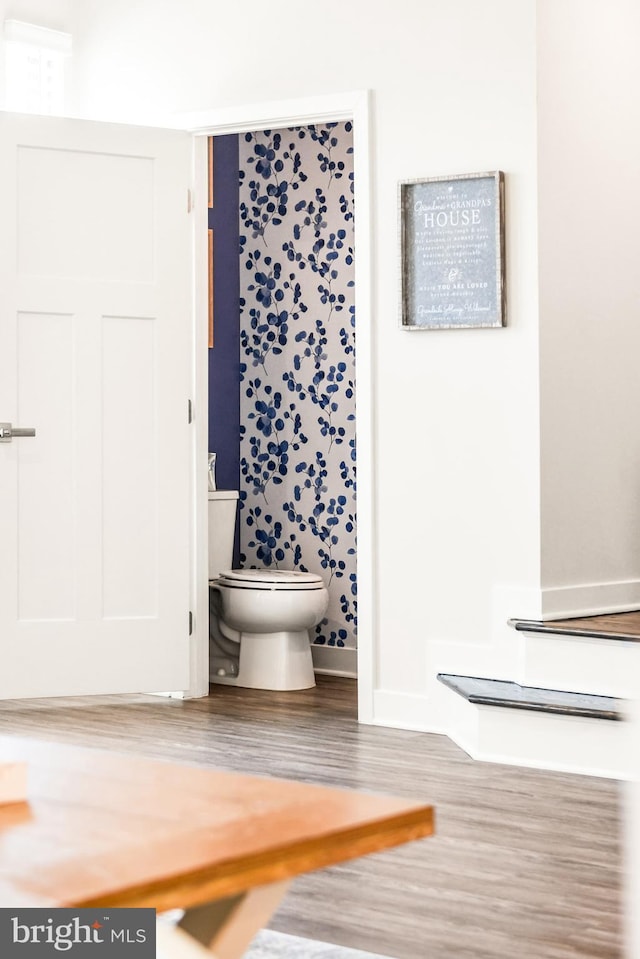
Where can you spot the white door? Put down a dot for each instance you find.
(96, 356)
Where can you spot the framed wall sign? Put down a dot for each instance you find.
(452, 252)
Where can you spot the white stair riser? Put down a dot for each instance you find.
(522, 737)
(580, 664)
(577, 744)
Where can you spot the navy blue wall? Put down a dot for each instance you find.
(224, 356)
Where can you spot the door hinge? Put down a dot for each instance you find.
(189, 411)
(190, 623)
(189, 201)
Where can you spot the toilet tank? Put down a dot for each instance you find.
(223, 504)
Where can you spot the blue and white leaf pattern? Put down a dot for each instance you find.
(297, 375)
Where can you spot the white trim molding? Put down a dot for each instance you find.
(589, 599)
(245, 118)
(32, 35)
(199, 598)
(335, 660)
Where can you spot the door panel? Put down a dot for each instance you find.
(46, 557)
(129, 498)
(93, 194)
(96, 347)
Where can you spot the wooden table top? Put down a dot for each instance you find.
(102, 828)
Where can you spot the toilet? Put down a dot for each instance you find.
(259, 619)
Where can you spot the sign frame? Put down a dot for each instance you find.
(452, 252)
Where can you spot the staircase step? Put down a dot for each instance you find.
(598, 655)
(498, 692)
(624, 627)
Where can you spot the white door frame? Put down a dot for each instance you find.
(276, 115)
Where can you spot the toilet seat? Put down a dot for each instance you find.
(274, 579)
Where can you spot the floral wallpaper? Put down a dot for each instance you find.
(297, 355)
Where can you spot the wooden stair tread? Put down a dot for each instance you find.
(618, 626)
(499, 692)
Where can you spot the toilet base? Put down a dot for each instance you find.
(277, 661)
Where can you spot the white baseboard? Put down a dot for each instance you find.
(589, 599)
(403, 711)
(335, 660)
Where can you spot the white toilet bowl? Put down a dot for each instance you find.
(268, 613)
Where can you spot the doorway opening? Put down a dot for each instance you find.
(282, 413)
(291, 413)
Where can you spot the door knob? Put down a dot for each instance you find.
(7, 432)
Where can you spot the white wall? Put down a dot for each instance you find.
(456, 412)
(589, 249)
(589, 157)
(632, 840)
(54, 14)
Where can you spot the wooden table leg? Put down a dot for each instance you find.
(224, 927)
(173, 943)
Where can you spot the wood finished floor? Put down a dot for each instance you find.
(525, 864)
(612, 624)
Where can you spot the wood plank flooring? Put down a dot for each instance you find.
(627, 624)
(525, 864)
